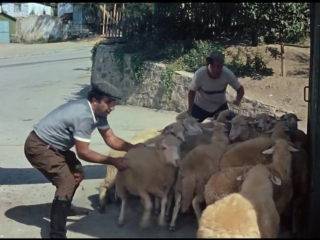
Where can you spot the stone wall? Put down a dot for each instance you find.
(151, 92)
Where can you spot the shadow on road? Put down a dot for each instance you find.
(81, 69)
(82, 93)
(18, 176)
(105, 225)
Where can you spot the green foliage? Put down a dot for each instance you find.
(289, 20)
(177, 58)
(167, 81)
(94, 50)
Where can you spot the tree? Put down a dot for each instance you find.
(277, 18)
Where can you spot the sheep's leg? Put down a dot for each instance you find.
(121, 192)
(121, 216)
(145, 221)
(102, 196)
(170, 198)
(196, 206)
(156, 205)
(164, 201)
(175, 212)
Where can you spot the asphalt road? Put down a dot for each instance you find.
(31, 86)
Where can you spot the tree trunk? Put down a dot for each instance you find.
(282, 56)
(254, 37)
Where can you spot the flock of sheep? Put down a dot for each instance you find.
(249, 171)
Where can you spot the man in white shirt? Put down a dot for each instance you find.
(207, 92)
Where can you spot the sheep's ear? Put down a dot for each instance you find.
(181, 136)
(166, 130)
(249, 120)
(209, 129)
(268, 151)
(275, 179)
(240, 178)
(270, 131)
(292, 149)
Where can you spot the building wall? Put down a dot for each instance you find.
(24, 9)
(12, 23)
(64, 8)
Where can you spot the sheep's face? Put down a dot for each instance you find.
(240, 127)
(280, 127)
(291, 120)
(254, 177)
(281, 146)
(170, 148)
(263, 122)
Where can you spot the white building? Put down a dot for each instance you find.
(25, 9)
(63, 8)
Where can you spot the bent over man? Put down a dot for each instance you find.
(48, 146)
(207, 91)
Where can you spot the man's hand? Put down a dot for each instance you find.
(119, 164)
(235, 102)
(138, 145)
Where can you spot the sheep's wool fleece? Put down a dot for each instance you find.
(231, 217)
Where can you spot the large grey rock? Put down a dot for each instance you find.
(44, 28)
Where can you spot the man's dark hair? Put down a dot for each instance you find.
(101, 89)
(93, 94)
(215, 57)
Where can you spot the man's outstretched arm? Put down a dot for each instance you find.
(240, 94)
(115, 142)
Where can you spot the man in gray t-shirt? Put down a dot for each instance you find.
(48, 146)
(207, 91)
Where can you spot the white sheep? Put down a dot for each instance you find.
(247, 153)
(264, 122)
(250, 152)
(195, 170)
(182, 115)
(251, 213)
(151, 170)
(281, 166)
(148, 137)
(242, 129)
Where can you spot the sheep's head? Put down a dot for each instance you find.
(176, 129)
(226, 115)
(264, 122)
(240, 127)
(255, 176)
(291, 119)
(169, 147)
(191, 126)
(279, 129)
(281, 146)
(182, 115)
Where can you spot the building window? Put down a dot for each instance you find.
(17, 7)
